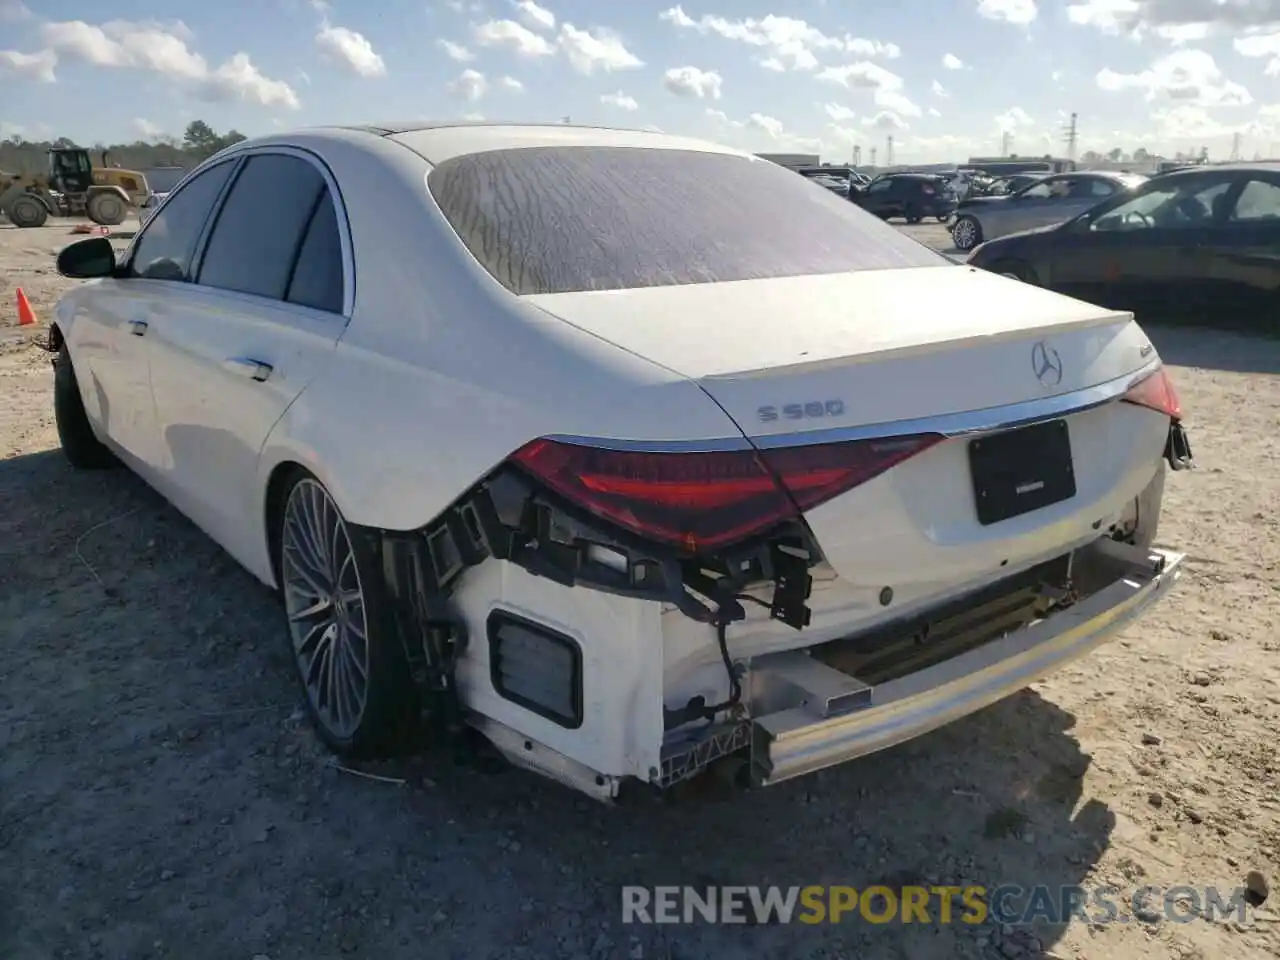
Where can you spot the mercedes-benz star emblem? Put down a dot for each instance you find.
(1046, 364)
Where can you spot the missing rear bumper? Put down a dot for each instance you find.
(807, 735)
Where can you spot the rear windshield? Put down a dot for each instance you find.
(568, 219)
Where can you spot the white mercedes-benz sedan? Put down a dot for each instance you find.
(632, 452)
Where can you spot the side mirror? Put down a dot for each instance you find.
(88, 259)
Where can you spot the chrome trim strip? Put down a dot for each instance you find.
(970, 422)
(720, 445)
(964, 423)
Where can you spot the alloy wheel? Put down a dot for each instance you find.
(964, 233)
(324, 602)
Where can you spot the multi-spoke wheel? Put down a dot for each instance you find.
(351, 668)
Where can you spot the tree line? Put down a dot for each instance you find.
(199, 141)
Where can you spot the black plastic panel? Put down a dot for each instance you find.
(1021, 470)
(536, 667)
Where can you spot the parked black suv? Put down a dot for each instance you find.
(913, 196)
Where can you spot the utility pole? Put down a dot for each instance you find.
(857, 155)
(1070, 137)
(1235, 147)
(873, 156)
(1006, 142)
(888, 152)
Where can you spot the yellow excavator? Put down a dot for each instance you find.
(72, 187)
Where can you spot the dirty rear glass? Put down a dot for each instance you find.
(568, 219)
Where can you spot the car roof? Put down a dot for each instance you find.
(438, 141)
(1254, 166)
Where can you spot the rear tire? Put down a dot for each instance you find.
(28, 212)
(106, 209)
(350, 662)
(82, 448)
(913, 215)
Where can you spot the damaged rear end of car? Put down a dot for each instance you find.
(934, 487)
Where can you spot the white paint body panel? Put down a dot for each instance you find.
(437, 374)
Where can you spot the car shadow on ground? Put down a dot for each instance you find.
(162, 786)
(1212, 349)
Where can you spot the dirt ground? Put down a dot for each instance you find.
(162, 796)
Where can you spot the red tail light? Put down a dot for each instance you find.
(702, 501)
(1155, 391)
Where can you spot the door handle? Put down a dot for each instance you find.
(249, 367)
(138, 328)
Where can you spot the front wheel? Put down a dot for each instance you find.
(349, 659)
(80, 446)
(27, 211)
(966, 234)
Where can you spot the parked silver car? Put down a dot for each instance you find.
(1050, 200)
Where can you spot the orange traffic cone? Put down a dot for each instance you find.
(26, 316)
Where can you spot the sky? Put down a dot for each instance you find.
(947, 79)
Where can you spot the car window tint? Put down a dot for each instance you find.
(1095, 187)
(256, 237)
(168, 242)
(1045, 189)
(1260, 200)
(563, 219)
(880, 186)
(317, 278)
(1190, 202)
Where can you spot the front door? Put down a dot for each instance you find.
(262, 318)
(113, 339)
(1150, 252)
(1244, 267)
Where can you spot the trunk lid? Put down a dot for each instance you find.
(879, 346)
(866, 354)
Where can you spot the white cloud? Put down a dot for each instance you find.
(619, 100)
(469, 85)
(1188, 77)
(692, 82)
(33, 66)
(456, 51)
(952, 62)
(509, 83)
(939, 90)
(770, 125)
(1177, 21)
(534, 16)
(239, 79)
(145, 128)
(934, 112)
(1013, 118)
(1020, 12)
(596, 49)
(160, 48)
(887, 86)
(787, 43)
(14, 11)
(838, 111)
(351, 50)
(1260, 45)
(885, 121)
(509, 34)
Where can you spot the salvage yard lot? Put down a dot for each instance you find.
(162, 796)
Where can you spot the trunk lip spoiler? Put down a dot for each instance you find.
(959, 424)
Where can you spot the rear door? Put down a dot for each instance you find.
(271, 299)
(878, 197)
(1244, 254)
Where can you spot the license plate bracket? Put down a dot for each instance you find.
(1021, 470)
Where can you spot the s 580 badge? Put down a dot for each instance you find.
(811, 410)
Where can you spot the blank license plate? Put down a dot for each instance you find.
(1021, 470)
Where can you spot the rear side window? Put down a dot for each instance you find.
(167, 245)
(1259, 202)
(565, 219)
(255, 240)
(317, 277)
